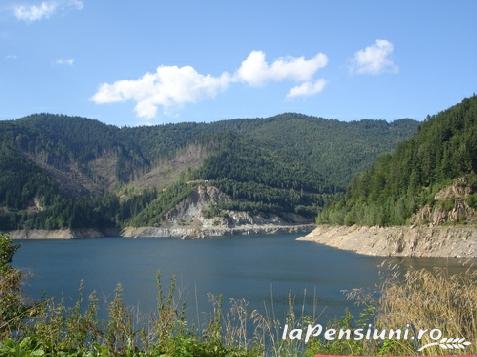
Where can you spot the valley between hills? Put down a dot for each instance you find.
(68, 177)
(400, 188)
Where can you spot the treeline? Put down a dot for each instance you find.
(60, 141)
(106, 211)
(444, 148)
(21, 180)
(256, 197)
(245, 161)
(154, 212)
(294, 163)
(67, 172)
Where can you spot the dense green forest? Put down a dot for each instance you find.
(295, 163)
(388, 193)
(60, 171)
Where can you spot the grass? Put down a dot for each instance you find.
(425, 299)
(433, 299)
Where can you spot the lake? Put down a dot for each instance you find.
(259, 268)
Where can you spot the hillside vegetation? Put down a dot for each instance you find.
(428, 178)
(70, 172)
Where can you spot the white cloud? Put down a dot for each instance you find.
(31, 13)
(307, 89)
(11, 57)
(65, 61)
(168, 87)
(255, 70)
(44, 10)
(374, 59)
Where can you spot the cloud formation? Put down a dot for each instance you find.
(172, 86)
(65, 61)
(31, 13)
(307, 89)
(374, 59)
(168, 86)
(255, 70)
(44, 9)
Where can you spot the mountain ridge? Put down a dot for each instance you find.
(397, 185)
(91, 174)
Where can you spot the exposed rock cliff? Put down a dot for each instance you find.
(200, 215)
(450, 205)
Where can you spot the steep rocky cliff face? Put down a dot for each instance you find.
(194, 207)
(204, 204)
(200, 215)
(203, 207)
(451, 205)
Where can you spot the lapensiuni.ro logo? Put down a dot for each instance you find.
(435, 336)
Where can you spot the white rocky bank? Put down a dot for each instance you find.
(401, 241)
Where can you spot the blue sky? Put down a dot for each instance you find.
(147, 62)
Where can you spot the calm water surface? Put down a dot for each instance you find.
(254, 268)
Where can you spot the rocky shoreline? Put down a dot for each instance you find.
(62, 233)
(193, 233)
(402, 241)
(185, 232)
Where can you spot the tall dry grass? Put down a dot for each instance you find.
(432, 299)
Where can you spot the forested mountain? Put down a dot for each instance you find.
(60, 171)
(443, 152)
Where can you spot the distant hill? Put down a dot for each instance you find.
(59, 171)
(429, 178)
